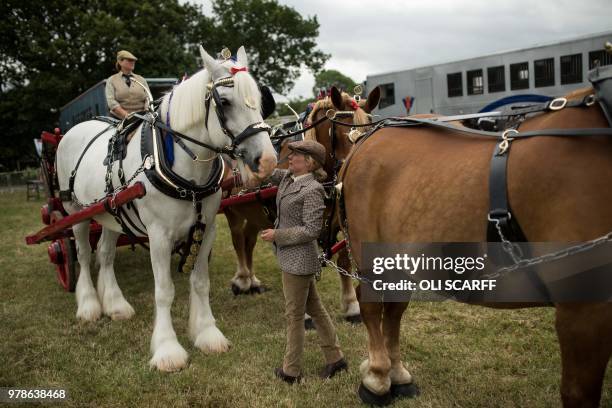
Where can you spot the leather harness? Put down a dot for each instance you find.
(156, 166)
(502, 226)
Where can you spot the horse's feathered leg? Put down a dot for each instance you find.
(168, 354)
(114, 304)
(88, 305)
(376, 382)
(250, 238)
(241, 282)
(202, 329)
(401, 380)
(350, 305)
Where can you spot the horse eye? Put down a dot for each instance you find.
(225, 102)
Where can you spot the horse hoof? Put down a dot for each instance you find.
(355, 319)
(257, 290)
(409, 390)
(169, 357)
(368, 397)
(237, 291)
(211, 340)
(309, 324)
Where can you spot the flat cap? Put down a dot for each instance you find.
(123, 54)
(310, 147)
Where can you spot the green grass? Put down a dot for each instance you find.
(461, 356)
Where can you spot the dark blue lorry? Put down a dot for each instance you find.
(92, 102)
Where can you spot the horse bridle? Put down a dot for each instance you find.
(213, 95)
(328, 235)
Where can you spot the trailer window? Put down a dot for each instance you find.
(599, 58)
(519, 76)
(497, 79)
(475, 82)
(387, 95)
(571, 69)
(455, 87)
(544, 72)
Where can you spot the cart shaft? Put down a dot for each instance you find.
(56, 229)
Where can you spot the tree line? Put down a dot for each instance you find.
(53, 50)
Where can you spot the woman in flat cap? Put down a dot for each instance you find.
(125, 90)
(300, 208)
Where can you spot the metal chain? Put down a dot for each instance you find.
(509, 247)
(140, 169)
(109, 169)
(553, 256)
(350, 274)
(342, 271)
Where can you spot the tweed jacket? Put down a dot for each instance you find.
(300, 206)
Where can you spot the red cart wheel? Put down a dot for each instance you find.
(62, 253)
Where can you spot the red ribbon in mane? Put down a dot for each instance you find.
(354, 104)
(233, 70)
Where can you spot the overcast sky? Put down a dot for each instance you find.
(368, 37)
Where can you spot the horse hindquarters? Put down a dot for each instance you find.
(392, 194)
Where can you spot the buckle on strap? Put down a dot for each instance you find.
(557, 104)
(504, 145)
(589, 100)
(495, 215)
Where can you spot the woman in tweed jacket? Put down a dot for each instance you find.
(300, 206)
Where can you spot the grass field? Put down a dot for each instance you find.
(460, 356)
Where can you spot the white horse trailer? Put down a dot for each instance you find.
(471, 85)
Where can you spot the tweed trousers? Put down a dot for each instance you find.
(301, 297)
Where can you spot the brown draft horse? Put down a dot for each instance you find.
(246, 220)
(430, 185)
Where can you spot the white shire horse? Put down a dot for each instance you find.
(235, 109)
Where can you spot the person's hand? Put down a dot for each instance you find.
(120, 112)
(267, 235)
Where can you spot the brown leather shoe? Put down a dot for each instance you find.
(332, 369)
(278, 372)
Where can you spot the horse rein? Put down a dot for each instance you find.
(330, 115)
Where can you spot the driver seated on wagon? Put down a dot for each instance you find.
(125, 91)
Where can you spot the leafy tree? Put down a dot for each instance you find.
(53, 50)
(328, 77)
(277, 39)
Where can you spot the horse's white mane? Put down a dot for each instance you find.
(187, 104)
(187, 107)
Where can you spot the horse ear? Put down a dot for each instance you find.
(336, 98)
(373, 99)
(268, 104)
(209, 62)
(241, 57)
